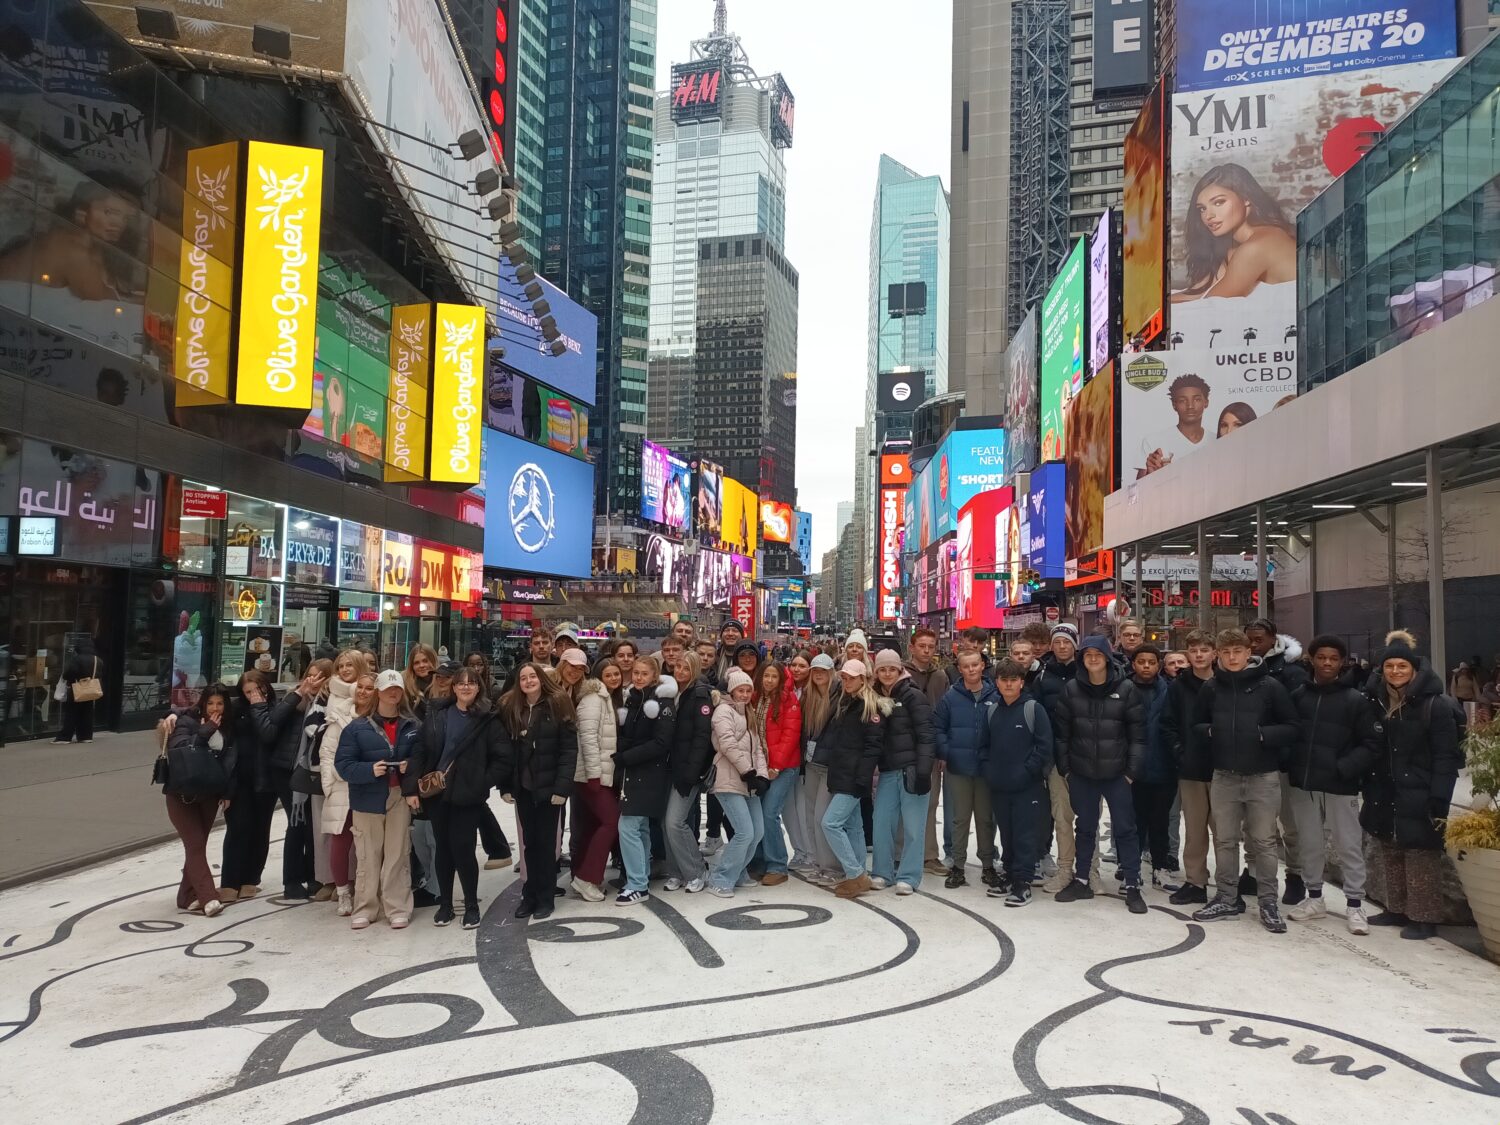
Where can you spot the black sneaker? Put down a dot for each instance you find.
(1418, 931)
(526, 909)
(296, 893)
(1239, 905)
(1296, 890)
(1134, 901)
(999, 891)
(471, 917)
(1247, 884)
(1188, 893)
(422, 897)
(1076, 891)
(990, 877)
(631, 898)
(1270, 917)
(1220, 910)
(443, 916)
(1388, 918)
(955, 879)
(1020, 895)
(543, 912)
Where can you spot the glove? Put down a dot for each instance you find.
(760, 785)
(615, 758)
(922, 784)
(748, 777)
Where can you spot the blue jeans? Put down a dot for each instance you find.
(635, 850)
(844, 828)
(744, 816)
(895, 806)
(1085, 795)
(783, 786)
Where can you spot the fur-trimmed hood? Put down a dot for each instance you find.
(1287, 646)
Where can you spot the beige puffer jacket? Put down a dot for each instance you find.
(598, 734)
(739, 747)
(335, 789)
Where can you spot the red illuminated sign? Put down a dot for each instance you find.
(200, 503)
(502, 90)
(895, 469)
(695, 90)
(888, 555)
(744, 612)
(987, 553)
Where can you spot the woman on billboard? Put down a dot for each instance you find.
(1237, 237)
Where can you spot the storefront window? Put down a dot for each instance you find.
(252, 547)
(251, 635)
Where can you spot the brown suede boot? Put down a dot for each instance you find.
(228, 895)
(324, 893)
(853, 888)
(772, 879)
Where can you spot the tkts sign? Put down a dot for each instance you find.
(888, 556)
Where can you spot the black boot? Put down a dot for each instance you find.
(1296, 890)
(1188, 893)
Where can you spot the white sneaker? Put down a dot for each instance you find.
(1358, 923)
(346, 902)
(1308, 909)
(587, 891)
(1057, 881)
(877, 883)
(693, 887)
(746, 881)
(672, 884)
(721, 892)
(903, 888)
(213, 907)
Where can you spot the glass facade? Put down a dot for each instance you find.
(596, 210)
(1410, 236)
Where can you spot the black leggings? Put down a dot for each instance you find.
(538, 818)
(491, 835)
(247, 837)
(1153, 813)
(455, 827)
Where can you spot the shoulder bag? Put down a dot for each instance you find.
(433, 783)
(88, 689)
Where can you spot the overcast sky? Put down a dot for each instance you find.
(869, 77)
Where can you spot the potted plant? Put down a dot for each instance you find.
(1473, 837)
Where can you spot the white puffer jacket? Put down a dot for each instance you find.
(335, 789)
(598, 734)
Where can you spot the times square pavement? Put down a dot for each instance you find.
(785, 1004)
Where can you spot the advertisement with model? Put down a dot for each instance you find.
(1268, 112)
(1021, 405)
(536, 497)
(1103, 344)
(665, 487)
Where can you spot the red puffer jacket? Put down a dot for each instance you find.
(784, 734)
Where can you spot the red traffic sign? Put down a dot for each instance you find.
(1053, 614)
(200, 503)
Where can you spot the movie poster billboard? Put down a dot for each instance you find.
(1175, 403)
(1021, 403)
(1249, 154)
(1090, 464)
(1062, 349)
(665, 481)
(1144, 240)
(1101, 293)
(710, 499)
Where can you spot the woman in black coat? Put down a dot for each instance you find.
(467, 743)
(78, 715)
(1409, 790)
(252, 797)
(207, 729)
(692, 754)
(647, 720)
(539, 779)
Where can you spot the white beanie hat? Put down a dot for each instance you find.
(857, 637)
(887, 658)
(738, 679)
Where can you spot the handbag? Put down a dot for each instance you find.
(194, 770)
(88, 689)
(434, 782)
(159, 767)
(60, 692)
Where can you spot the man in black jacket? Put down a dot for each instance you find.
(1100, 748)
(1195, 770)
(1249, 725)
(1059, 667)
(1340, 736)
(1282, 654)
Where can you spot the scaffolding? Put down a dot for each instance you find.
(1039, 125)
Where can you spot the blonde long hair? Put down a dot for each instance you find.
(817, 704)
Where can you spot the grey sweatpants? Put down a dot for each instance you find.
(1245, 804)
(1314, 811)
(815, 797)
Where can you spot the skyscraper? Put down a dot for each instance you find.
(723, 332)
(1096, 137)
(596, 210)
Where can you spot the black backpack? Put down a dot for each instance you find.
(193, 769)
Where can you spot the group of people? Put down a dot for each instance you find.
(804, 758)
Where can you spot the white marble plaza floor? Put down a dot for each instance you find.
(785, 1004)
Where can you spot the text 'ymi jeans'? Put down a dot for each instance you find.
(897, 810)
(1245, 804)
(744, 816)
(1341, 814)
(844, 828)
(635, 851)
(1018, 812)
(683, 857)
(1085, 794)
(780, 796)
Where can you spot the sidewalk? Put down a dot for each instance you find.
(65, 806)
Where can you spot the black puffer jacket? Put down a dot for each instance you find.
(545, 755)
(850, 747)
(484, 759)
(1100, 729)
(193, 732)
(692, 737)
(1194, 763)
(645, 744)
(1247, 721)
(279, 725)
(1411, 780)
(1339, 738)
(909, 739)
(1046, 690)
(1282, 663)
(1058, 676)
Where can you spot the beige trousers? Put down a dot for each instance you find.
(1197, 818)
(382, 880)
